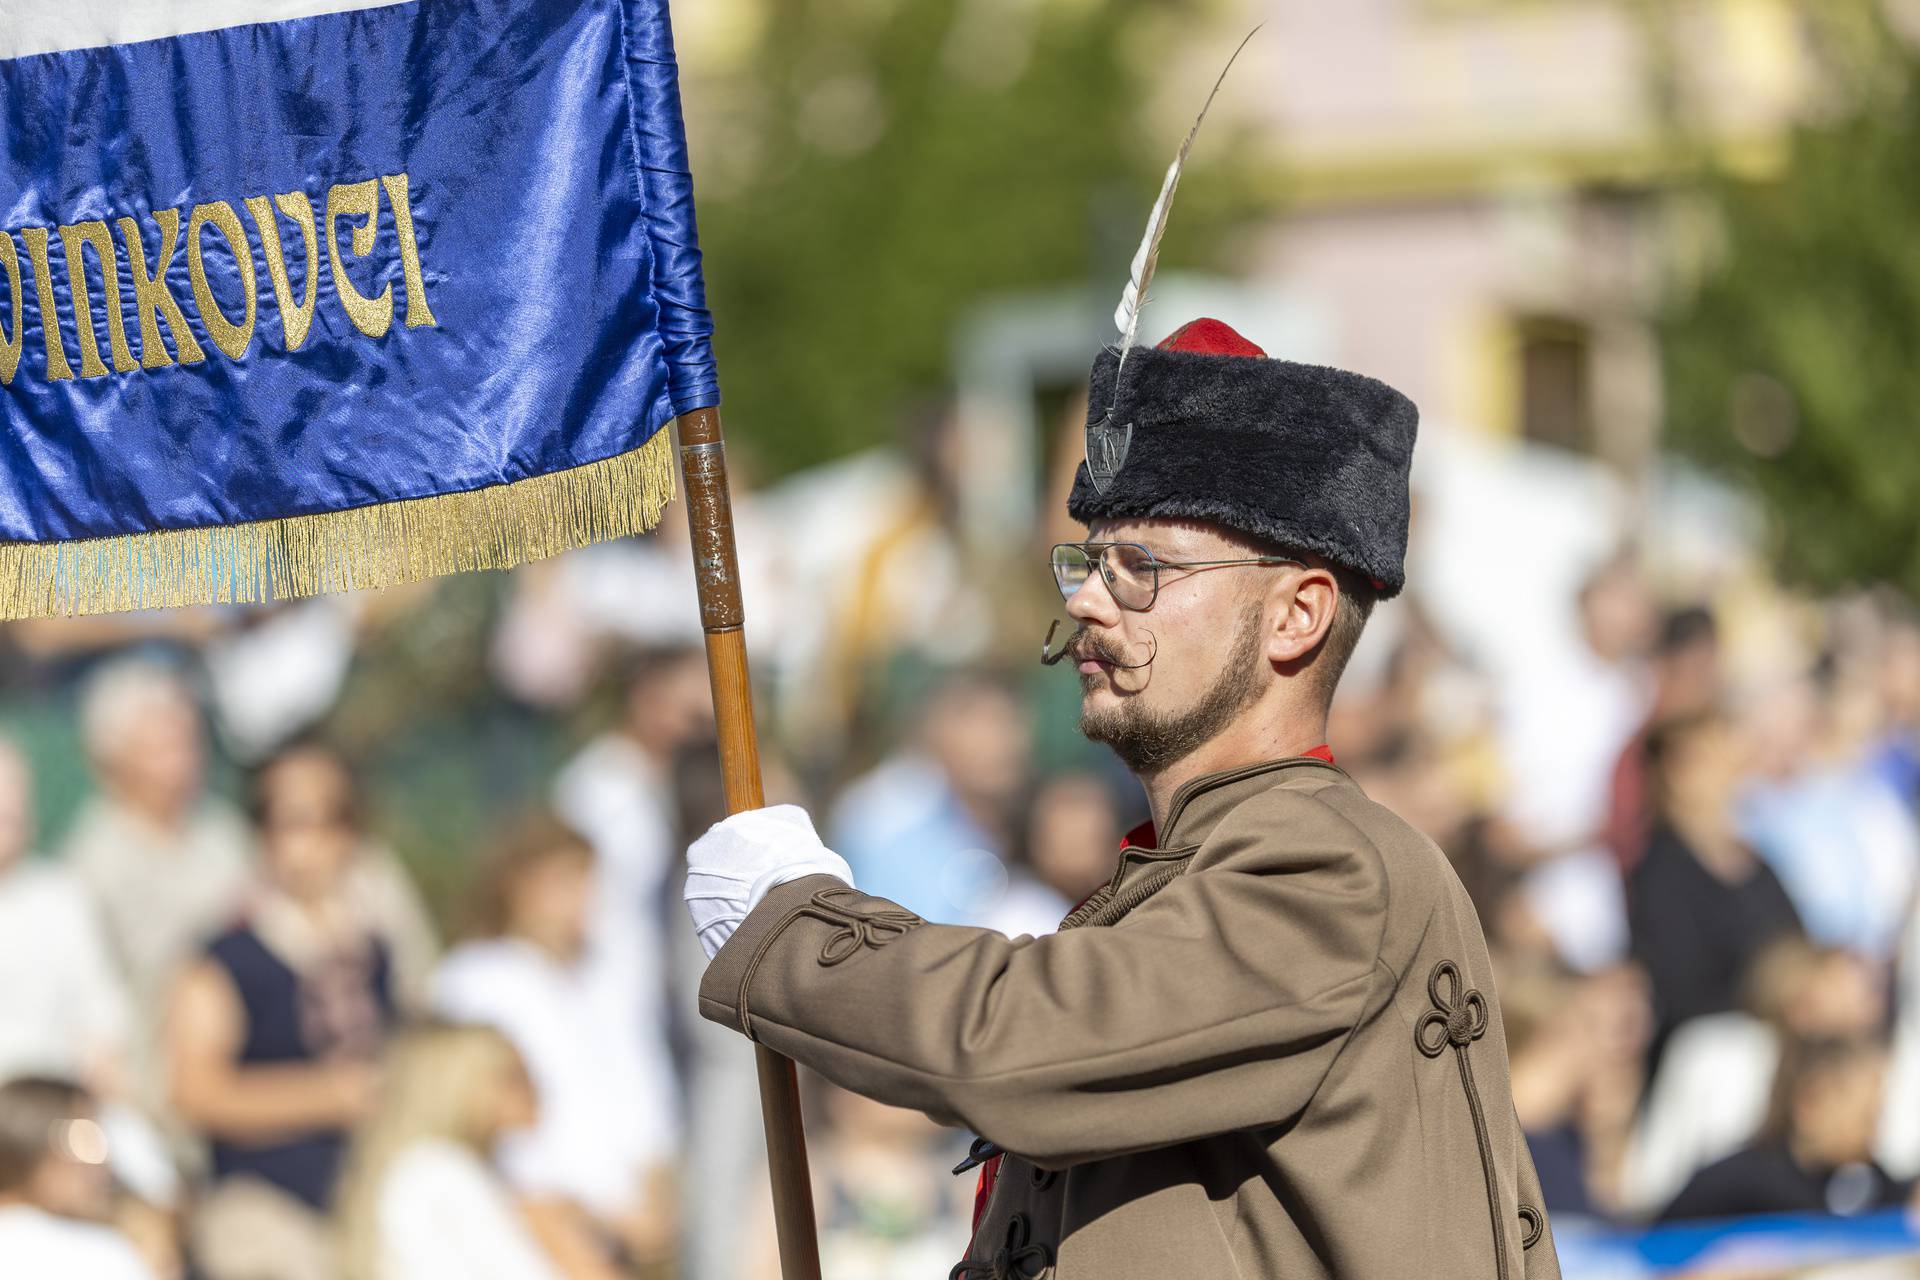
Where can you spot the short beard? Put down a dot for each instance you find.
(1149, 742)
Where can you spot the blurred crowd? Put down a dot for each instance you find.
(271, 1008)
(1695, 857)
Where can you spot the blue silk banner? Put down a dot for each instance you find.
(340, 300)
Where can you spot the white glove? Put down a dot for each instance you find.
(732, 867)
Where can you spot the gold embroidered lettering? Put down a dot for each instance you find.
(295, 318)
(234, 339)
(371, 316)
(152, 300)
(165, 334)
(14, 339)
(58, 370)
(419, 314)
(94, 235)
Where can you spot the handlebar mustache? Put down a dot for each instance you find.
(1093, 649)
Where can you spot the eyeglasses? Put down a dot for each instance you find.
(1131, 572)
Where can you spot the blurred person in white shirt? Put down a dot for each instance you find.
(165, 862)
(601, 1156)
(63, 1006)
(619, 792)
(1565, 719)
(63, 1010)
(56, 1191)
(423, 1199)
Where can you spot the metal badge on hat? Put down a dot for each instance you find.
(1107, 446)
(1108, 441)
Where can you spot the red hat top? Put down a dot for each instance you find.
(1207, 337)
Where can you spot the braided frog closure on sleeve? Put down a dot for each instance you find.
(1457, 1019)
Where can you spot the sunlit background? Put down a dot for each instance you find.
(1650, 269)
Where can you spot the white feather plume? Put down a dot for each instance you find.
(1127, 316)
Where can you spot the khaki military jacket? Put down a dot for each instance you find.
(1268, 1048)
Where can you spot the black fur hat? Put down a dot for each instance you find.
(1301, 456)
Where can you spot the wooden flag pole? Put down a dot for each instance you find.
(716, 572)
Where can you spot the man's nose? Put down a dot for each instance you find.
(1092, 603)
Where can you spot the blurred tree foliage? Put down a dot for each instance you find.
(1792, 364)
(873, 168)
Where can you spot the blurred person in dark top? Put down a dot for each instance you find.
(597, 1166)
(950, 796)
(275, 1031)
(1701, 905)
(1576, 1045)
(1072, 832)
(1066, 854)
(56, 1191)
(1815, 1154)
(378, 886)
(1687, 680)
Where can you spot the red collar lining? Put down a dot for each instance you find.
(1143, 836)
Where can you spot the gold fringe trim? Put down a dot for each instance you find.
(373, 546)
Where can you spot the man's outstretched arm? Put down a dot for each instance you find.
(1218, 1004)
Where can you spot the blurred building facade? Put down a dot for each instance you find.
(1474, 188)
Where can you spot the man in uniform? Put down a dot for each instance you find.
(1269, 1046)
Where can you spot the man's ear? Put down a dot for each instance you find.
(1303, 611)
